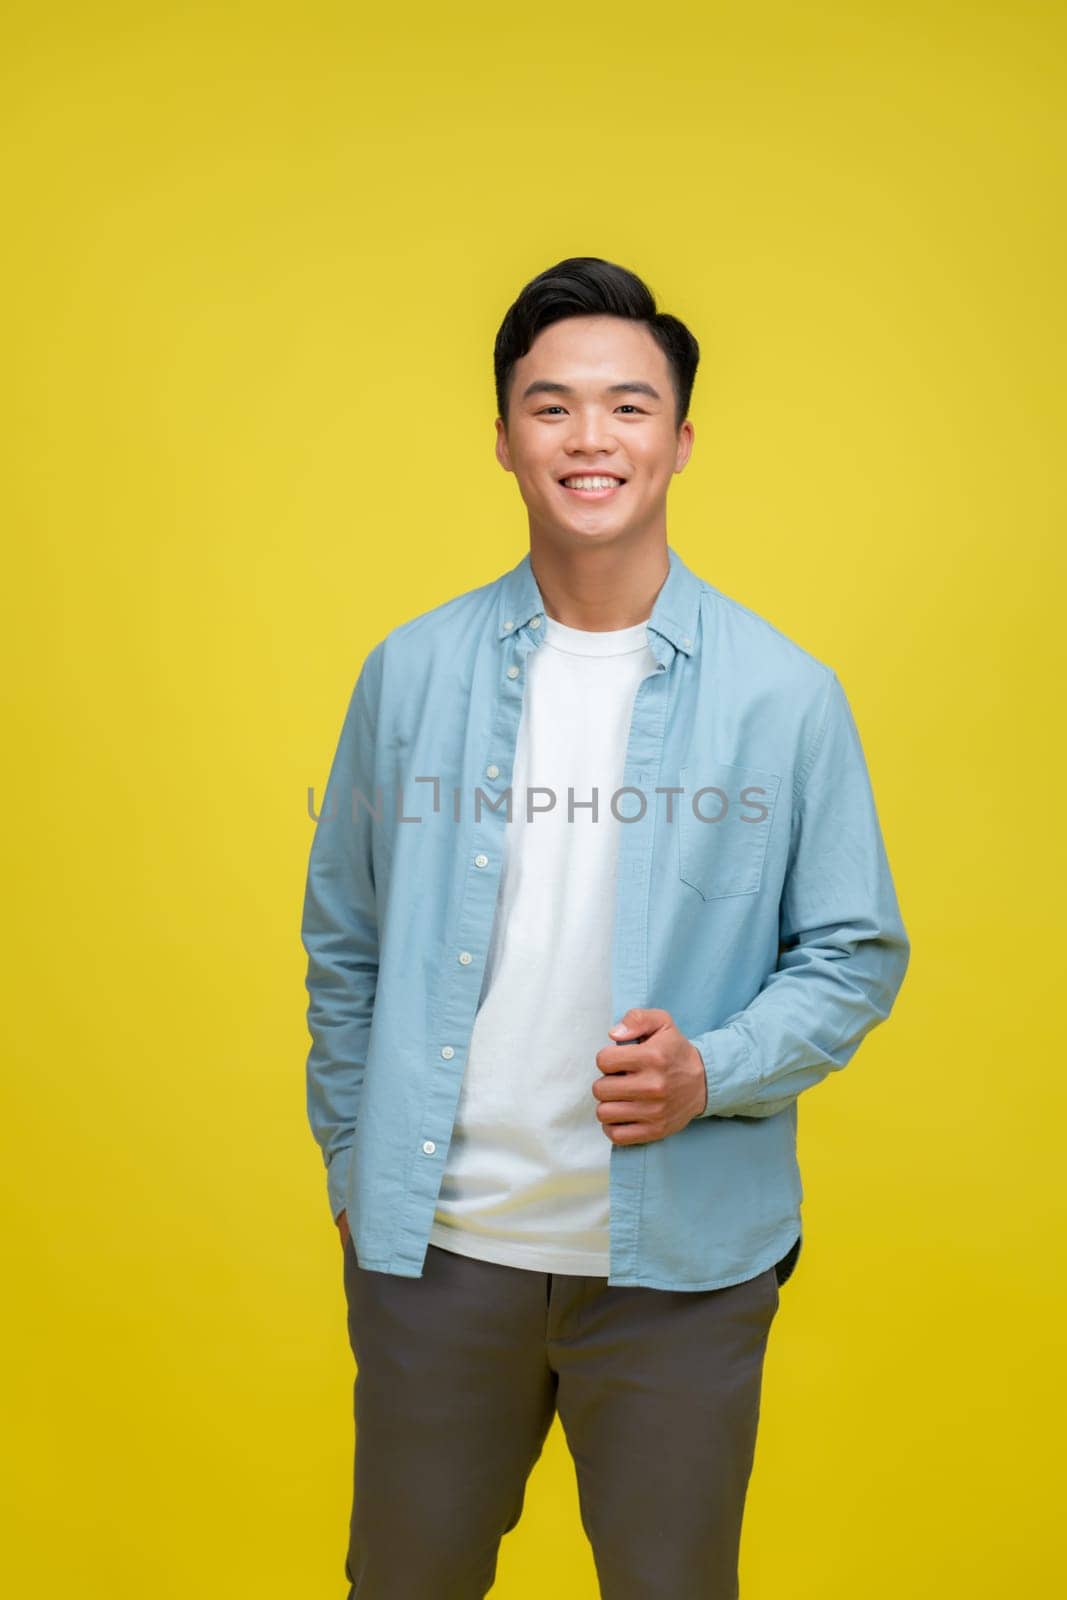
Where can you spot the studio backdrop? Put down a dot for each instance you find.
(255, 257)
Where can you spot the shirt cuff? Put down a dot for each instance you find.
(731, 1078)
(337, 1182)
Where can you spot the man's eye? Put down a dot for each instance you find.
(544, 410)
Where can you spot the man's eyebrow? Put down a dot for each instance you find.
(632, 386)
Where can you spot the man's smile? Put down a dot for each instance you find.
(592, 485)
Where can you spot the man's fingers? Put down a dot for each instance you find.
(640, 1020)
(620, 1111)
(628, 1133)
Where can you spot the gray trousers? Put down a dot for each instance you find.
(459, 1374)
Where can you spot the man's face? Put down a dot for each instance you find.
(593, 398)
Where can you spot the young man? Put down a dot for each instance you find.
(597, 891)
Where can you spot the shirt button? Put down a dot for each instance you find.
(492, 772)
(535, 622)
(513, 672)
(509, 624)
(687, 643)
(428, 1147)
(465, 957)
(447, 1051)
(481, 861)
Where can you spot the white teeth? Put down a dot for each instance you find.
(590, 483)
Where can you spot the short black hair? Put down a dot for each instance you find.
(586, 286)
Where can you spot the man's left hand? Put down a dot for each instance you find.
(652, 1088)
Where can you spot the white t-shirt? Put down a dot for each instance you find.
(525, 1181)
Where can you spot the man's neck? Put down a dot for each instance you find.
(600, 588)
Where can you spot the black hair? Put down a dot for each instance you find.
(586, 286)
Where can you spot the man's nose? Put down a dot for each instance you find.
(590, 432)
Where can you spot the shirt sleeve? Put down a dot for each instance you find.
(843, 948)
(339, 931)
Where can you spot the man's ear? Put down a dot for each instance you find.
(685, 445)
(503, 455)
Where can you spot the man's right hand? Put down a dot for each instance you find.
(342, 1227)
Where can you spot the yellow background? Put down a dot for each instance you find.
(255, 260)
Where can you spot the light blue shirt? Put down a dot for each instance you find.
(754, 903)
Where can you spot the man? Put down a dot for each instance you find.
(597, 890)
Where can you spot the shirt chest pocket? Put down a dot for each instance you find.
(724, 821)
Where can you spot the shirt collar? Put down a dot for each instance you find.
(675, 610)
